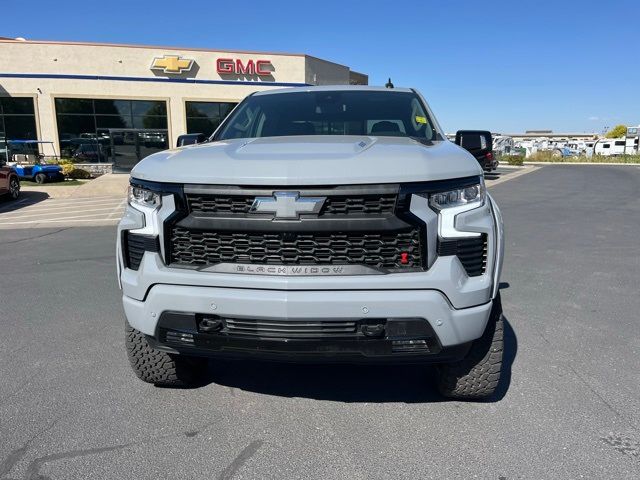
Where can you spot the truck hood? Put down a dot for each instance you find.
(309, 160)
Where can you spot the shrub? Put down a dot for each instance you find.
(67, 168)
(545, 156)
(71, 171)
(513, 159)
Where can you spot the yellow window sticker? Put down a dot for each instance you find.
(422, 120)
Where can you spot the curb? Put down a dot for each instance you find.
(511, 167)
(582, 163)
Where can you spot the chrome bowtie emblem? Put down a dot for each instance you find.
(287, 205)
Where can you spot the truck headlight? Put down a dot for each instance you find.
(471, 196)
(142, 197)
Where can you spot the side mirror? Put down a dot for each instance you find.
(190, 139)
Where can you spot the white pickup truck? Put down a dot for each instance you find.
(321, 224)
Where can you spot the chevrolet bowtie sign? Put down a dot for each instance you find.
(172, 64)
(287, 205)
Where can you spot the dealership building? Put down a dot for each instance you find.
(115, 104)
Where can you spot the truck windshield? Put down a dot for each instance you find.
(343, 112)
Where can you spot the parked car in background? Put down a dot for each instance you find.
(91, 153)
(9, 181)
(480, 144)
(503, 145)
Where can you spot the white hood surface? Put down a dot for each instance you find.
(309, 160)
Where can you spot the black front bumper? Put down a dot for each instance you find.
(400, 341)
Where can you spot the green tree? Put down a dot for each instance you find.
(617, 131)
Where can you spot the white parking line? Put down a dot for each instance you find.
(65, 221)
(99, 210)
(52, 202)
(75, 218)
(47, 212)
(120, 209)
(83, 199)
(511, 176)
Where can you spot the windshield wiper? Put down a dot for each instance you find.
(422, 140)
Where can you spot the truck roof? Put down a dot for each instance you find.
(333, 88)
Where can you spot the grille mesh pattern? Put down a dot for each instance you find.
(366, 205)
(379, 204)
(221, 204)
(380, 250)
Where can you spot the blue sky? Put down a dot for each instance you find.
(503, 66)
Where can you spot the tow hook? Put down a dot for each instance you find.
(209, 325)
(373, 329)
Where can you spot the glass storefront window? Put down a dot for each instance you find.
(149, 108)
(113, 107)
(17, 118)
(113, 121)
(150, 122)
(84, 122)
(205, 117)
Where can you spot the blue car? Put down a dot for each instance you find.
(37, 172)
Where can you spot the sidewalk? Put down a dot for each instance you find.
(108, 185)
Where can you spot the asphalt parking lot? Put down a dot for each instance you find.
(568, 406)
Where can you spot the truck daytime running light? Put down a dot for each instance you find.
(144, 198)
(471, 195)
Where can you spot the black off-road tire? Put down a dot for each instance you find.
(477, 375)
(40, 178)
(161, 368)
(14, 188)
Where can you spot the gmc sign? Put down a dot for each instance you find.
(230, 66)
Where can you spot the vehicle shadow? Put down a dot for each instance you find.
(494, 175)
(508, 358)
(25, 199)
(347, 383)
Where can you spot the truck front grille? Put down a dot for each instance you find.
(363, 204)
(384, 250)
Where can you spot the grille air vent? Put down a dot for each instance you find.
(135, 245)
(472, 253)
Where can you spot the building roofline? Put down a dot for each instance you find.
(163, 47)
(328, 61)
